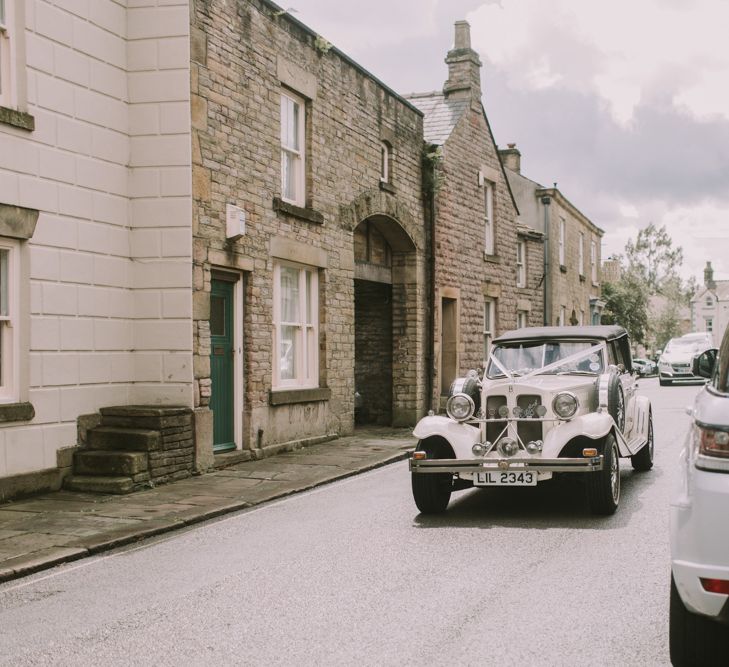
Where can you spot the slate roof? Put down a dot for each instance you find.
(441, 114)
(721, 291)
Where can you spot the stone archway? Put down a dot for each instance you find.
(389, 313)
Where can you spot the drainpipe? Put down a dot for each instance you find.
(431, 292)
(547, 304)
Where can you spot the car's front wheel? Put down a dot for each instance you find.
(603, 486)
(432, 491)
(643, 460)
(694, 639)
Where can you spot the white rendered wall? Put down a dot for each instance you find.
(108, 167)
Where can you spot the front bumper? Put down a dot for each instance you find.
(500, 465)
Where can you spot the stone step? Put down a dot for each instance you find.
(128, 439)
(109, 462)
(95, 484)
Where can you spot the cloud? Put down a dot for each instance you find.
(620, 51)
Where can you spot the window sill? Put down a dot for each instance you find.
(16, 412)
(494, 259)
(17, 119)
(387, 187)
(563, 268)
(289, 396)
(308, 214)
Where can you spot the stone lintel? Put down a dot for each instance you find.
(295, 251)
(295, 77)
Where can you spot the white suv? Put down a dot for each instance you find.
(699, 616)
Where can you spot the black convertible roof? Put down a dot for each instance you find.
(603, 332)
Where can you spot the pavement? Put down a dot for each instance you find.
(53, 528)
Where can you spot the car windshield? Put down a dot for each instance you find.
(683, 345)
(522, 358)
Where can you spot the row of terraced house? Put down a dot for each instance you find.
(220, 237)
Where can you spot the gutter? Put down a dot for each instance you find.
(547, 305)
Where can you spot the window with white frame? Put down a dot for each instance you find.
(709, 324)
(9, 251)
(293, 141)
(489, 229)
(593, 261)
(6, 66)
(709, 302)
(562, 224)
(385, 156)
(522, 319)
(489, 325)
(296, 326)
(521, 264)
(581, 254)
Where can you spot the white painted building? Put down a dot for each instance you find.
(710, 306)
(95, 218)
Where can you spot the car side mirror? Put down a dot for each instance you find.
(703, 365)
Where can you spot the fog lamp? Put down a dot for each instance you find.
(534, 446)
(478, 449)
(518, 412)
(508, 447)
(541, 410)
(503, 411)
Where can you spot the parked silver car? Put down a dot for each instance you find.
(675, 363)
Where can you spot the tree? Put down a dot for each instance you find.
(654, 259)
(626, 304)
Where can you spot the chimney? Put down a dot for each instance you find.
(464, 66)
(511, 157)
(709, 276)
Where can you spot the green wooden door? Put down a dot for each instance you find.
(221, 365)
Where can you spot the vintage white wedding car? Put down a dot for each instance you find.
(551, 400)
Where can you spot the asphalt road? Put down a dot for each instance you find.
(351, 574)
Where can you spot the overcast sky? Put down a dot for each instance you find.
(624, 104)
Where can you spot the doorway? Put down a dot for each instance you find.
(222, 364)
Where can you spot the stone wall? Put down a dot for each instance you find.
(373, 351)
(243, 55)
(569, 288)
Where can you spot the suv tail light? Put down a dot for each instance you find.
(720, 586)
(713, 442)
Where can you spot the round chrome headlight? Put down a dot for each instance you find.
(565, 405)
(460, 407)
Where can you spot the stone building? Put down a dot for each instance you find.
(572, 264)
(95, 225)
(486, 267)
(323, 295)
(710, 306)
(220, 235)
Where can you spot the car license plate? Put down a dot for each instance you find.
(511, 478)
